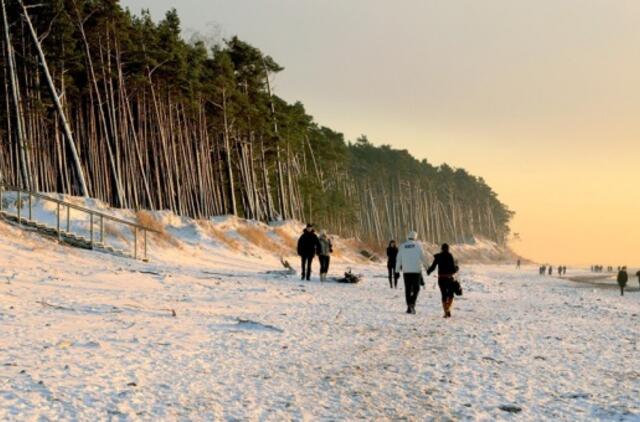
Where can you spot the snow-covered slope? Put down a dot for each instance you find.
(223, 238)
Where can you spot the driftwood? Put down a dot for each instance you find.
(116, 309)
(58, 307)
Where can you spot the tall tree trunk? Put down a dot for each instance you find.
(56, 100)
(15, 98)
(103, 118)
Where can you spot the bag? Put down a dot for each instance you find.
(457, 288)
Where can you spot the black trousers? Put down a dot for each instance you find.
(412, 283)
(325, 260)
(306, 267)
(446, 288)
(393, 276)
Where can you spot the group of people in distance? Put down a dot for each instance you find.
(408, 259)
(544, 269)
(310, 245)
(623, 278)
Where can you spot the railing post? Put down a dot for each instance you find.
(58, 220)
(18, 207)
(68, 219)
(91, 229)
(30, 207)
(145, 247)
(135, 242)
(101, 229)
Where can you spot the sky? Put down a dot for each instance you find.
(541, 98)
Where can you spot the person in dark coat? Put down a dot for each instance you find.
(308, 247)
(638, 275)
(447, 268)
(392, 256)
(623, 277)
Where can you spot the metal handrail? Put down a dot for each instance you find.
(69, 206)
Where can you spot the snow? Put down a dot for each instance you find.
(203, 332)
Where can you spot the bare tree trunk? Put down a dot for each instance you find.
(103, 117)
(15, 94)
(56, 100)
(281, 197)
(227, 146)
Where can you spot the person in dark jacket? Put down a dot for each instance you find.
(392, 256)
(638, 275)
(623, 277)
(308, 247)
(447, 268)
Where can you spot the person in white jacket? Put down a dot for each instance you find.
(411, 260)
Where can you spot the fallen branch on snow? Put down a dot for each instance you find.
(58, 307)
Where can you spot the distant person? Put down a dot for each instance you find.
(411, 259)
(560, 270)
(517, 264)
(623, 277)
(447, 269)
(392, 258)
(324, 254)
(638, 275)
(550, 270)
(308, 247)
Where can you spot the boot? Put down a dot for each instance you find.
(449, 305)
(445, 309)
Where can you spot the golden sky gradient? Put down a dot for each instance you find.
(541, 98)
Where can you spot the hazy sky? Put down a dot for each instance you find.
(541, 98)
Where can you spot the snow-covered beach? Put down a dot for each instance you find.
(88, 336)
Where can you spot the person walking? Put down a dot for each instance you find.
(308, 247)
(550, 269)
(411, 259)
(392, 258)
(623, 277)
(324, 254)
(518, 264)
(447, 268)
(638, 275)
